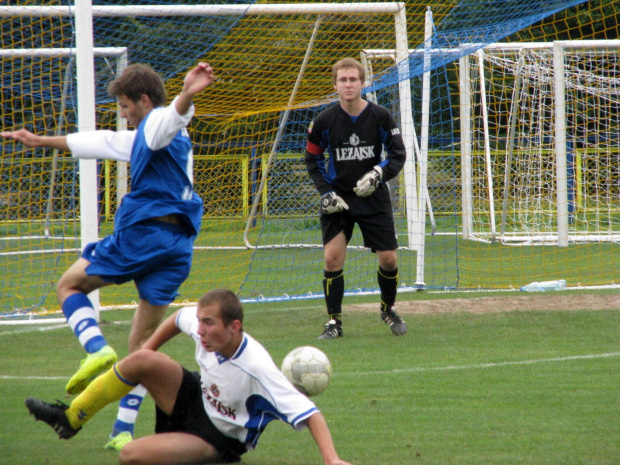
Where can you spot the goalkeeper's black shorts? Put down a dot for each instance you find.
(376, 224)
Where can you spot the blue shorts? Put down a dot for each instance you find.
(157, 256)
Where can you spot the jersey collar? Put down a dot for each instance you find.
(244, 343)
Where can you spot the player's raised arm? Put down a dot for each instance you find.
(166, 331)
(32, 140)
(195, 81)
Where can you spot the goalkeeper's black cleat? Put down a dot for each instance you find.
(333, 329)
(53, 415)
(396, 323)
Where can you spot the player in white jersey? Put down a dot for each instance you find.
(211, 417)
(154, 228)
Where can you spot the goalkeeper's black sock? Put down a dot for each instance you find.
(388, 283)
(333, 287)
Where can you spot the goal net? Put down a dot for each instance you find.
(260, 233)
(39, 189)
(542, 143)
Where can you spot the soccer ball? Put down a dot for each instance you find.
(308, 369)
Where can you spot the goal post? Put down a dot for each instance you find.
(539, 126)
(417, 198)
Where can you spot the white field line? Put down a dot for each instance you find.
(62, 325)
(60, 322)
(481, 365)
(40, 329)
(404, 370)
(32, 378)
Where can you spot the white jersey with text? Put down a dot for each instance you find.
(242, 394)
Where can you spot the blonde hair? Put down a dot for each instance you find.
(346, 63)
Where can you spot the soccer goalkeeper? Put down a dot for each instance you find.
(154, 228)
(352, 184)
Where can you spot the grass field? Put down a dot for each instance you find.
(510, 388)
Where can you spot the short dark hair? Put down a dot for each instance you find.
(139, 79)
(348, 63)
(230, 305)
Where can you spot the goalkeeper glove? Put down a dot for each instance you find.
(332, 203)
(369, 182)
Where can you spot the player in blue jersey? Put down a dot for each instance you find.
(213, 416)
(154, 228)
(354, 134)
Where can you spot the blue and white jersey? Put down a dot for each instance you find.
(160, 155)
(243, 394)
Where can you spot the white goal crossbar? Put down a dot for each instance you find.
(208, 10)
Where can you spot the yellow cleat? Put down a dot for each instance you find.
(118, 442)
(90, 367)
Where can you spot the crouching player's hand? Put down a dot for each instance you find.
(332, 203)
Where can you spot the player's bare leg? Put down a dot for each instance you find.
(146, 319)
(150, 368)
(169, 448)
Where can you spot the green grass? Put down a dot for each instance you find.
(531, 387)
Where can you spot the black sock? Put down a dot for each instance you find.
(388, 283)
(333, 287)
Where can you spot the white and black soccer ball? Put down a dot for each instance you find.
(308, 369)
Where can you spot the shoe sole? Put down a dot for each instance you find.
(89, 371)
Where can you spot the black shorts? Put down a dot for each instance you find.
(189, 416)
(378, 230)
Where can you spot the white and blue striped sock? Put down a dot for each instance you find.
(82, 319)
(128, 411)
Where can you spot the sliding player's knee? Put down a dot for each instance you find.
(139, 364)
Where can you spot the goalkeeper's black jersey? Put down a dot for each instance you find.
(354, 146)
